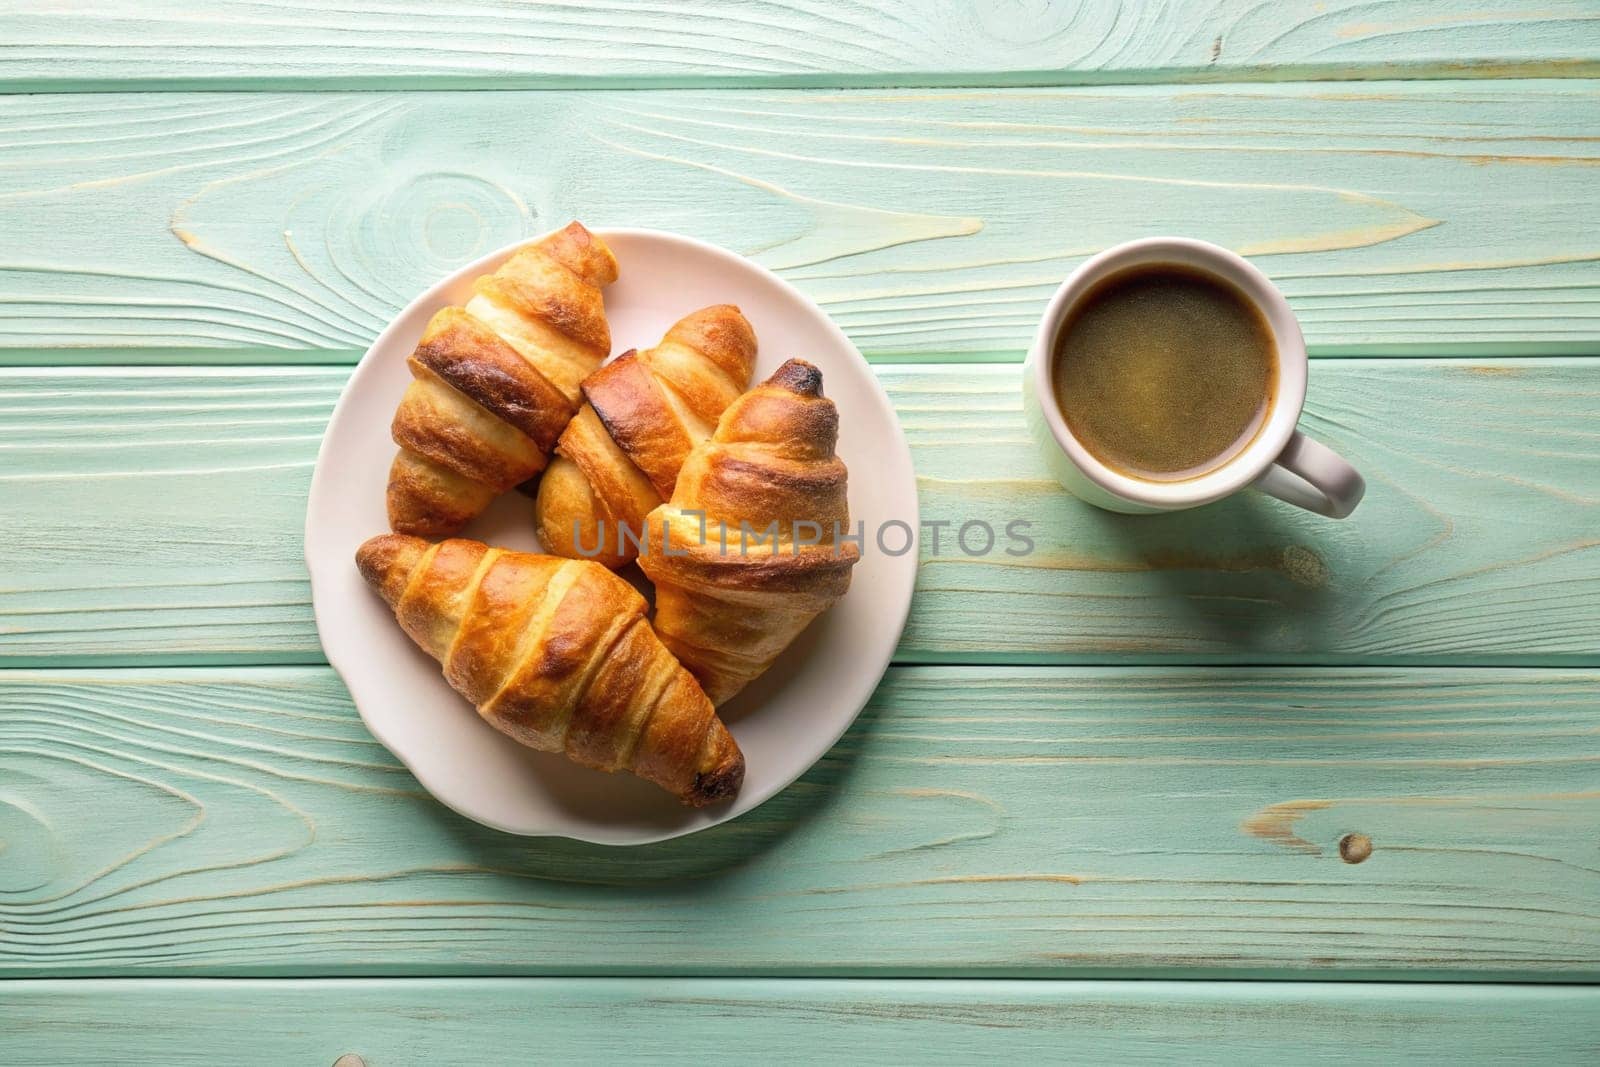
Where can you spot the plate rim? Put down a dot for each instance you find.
(484, 264)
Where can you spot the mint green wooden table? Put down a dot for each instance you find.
(1334, 787)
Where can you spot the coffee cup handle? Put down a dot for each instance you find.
(1315, 477)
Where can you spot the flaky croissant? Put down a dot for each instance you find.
(494, 383)
(557, 654)
(619, 457)
(726, 602)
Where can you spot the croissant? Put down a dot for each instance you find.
(619, 457)
(494, 383)
(558, 655)
(728, 601)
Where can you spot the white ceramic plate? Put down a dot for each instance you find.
(784, 721)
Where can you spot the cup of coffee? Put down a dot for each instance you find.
(1168, 373)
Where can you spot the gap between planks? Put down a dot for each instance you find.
(1576, 70)
(331, 359)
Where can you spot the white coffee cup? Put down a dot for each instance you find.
(1279, 461)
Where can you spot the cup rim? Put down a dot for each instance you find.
(1289, 398)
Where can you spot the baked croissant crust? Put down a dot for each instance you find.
(726, 603)
(558, 655)
(495, 382)
(619, 457)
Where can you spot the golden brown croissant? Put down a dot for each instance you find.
(494, 383)
(728, 602)
(557, 654)
(619, 457)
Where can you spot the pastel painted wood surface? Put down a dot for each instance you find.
(388, 1023)
(1476, 542)
(245, 44)
(998, 820)
(1407, 217)
(155, 516)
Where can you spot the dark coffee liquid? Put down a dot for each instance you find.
(1165, 373)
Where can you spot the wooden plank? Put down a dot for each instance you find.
(1477, 541)
(155, 516)
(240, 44)
(694, 1021)
(159, 513)
(1411, 218)
(1044, 821)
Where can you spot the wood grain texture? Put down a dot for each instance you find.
(694, 1021)
(155, 516)
(1477, 541)
(238, 43)
(1410, 218)
(162, 511)
(996, 820)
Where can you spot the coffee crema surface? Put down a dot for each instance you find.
(1164, 372)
